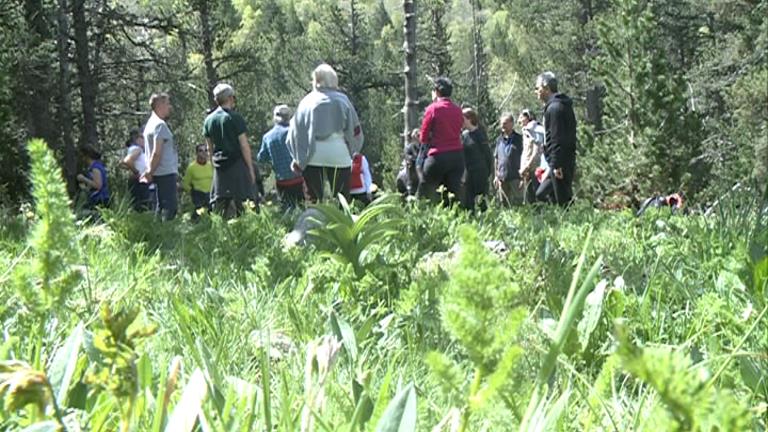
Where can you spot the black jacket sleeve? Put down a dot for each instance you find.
(560, 146)
(552, 120)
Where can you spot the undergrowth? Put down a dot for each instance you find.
(583, 320)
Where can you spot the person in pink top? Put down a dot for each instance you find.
(441, 132)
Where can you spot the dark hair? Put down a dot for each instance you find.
(527, 114)
(90, 152)
(133, 135)
(443, 86)
(472, 116)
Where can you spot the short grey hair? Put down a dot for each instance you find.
(506, 116)
(157, 98)
(325, 77)
(548, 80)
(281, 114)
(222, 92)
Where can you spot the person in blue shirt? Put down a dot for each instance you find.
(95, 180)
(289, 185)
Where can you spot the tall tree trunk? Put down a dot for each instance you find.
(34, 93)
(65, 103)
(208, 38)
(480, 77)
(594, 94)
(88, 88)
(410, 109)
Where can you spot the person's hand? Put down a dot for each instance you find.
(253, 176)
(146, 177)
(295, 167)
(81, 178)
(559, 173)
(496, 182)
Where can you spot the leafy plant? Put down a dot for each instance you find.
(351, 235)
(475, 311)
(49, 276)
(691, 405)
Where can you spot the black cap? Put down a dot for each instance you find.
(444, 86)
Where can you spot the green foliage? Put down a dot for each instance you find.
(653, 135)
(690, 404)
(475, 312)
(49, 277)
(352, 235)
(240, 320)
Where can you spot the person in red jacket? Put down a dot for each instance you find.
(441, 132)
(360, 180)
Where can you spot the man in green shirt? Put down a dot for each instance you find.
(226, 135)
(198, 178)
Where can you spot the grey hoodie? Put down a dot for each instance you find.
(322, 113)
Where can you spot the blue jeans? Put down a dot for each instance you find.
(167, 201)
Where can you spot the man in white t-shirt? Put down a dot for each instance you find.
(162, 156)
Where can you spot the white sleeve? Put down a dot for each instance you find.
(367, 179)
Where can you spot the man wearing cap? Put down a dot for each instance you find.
(289, 185)
(226, 135)
(441, 132)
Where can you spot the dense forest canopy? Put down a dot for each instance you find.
(670, 95)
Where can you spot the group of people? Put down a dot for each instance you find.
(451, 150)
(319, 144)
(449, 157)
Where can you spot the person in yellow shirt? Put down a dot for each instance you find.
(198, 178)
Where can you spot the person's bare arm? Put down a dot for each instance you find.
(94, 182)
(129, 161)
(245, 149)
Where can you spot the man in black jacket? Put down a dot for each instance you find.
(560, 141)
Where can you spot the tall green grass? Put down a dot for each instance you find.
(591, 321)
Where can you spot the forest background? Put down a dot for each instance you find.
(670, 95)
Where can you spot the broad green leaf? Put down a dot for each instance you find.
(64, 364)
(344, 332)
(400, 415)
(593, 308)
(186, 411)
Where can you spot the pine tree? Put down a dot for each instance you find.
(651, 134)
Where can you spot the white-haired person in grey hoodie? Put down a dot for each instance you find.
(323, 135)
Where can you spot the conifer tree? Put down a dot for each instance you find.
(651, 134)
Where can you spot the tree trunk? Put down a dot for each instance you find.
(34, 93)
(410, 109)
(208, 38)
(88, 88)
(65, 103)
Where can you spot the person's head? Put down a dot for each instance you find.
(161, 105)
(133, 137)
(507, 123)
(201, 153)
(281, 114)
(89, 153)
(546, 86)
(224, 95)
(471, 120)
(414, 135)
(442, 87)
(325, 77)
(525, 117)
